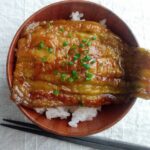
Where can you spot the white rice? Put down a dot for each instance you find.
(32, 26)
(76, 16)
(77, 113)
(58, 112)
(40, 110)
(103, 22)
(82, 114)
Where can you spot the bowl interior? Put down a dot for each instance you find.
(62, 10)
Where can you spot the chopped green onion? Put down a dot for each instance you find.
(73, 47)
(88, 74)
(76, 56)
(93, 61)
(41, 45)
(44, 59)
(89, 43)
(84, 40)
(70, 63)
(81, 45)
(87, 58)
(88, 79)
(74, 74)
(94, 37)
(65, 43)
(49, 49)
(70, 79)
(56, 92)
(61, 29)
(55, 72)
(86, 66)
(63, 76)
(69, 35)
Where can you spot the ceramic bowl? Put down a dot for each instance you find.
(61, 10)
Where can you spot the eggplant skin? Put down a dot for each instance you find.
(68, 63)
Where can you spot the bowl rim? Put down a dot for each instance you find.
(8, 71)
(23, 109)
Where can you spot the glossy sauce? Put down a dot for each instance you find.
(69, 63)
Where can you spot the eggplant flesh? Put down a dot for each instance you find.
(70, 63)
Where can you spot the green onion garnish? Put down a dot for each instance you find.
(81, 45)
(94, 37)
(93, 61)
(74, 74)
(61, 29)
(56, 92)
(73, 47)
(76, 56)
(70, 63)
(86, 58)
(88, 79)
(89, 43)
(84, 40)
(86, 66)
(49, 49)
(70, 79)
(89, 76)
(69, 35)
(41, 45)
(65, 43)
(63, 76)
(44, 59)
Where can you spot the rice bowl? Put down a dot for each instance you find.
(47, 124)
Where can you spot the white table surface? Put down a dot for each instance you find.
(134, 127)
